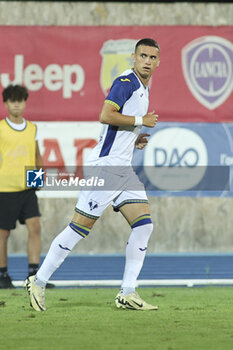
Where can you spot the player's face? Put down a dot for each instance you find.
(15, 108)
(146, 59)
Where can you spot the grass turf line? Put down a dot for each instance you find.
(188, 318)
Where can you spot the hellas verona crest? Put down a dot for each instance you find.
(116, 58)
(207, 64)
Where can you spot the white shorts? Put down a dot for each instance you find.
(126, 189)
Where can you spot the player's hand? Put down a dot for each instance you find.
(150, 119)
(141, 141)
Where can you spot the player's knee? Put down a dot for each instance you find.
(34, 231)
(82, 230)
(33, 226)
(37, 228)
(144, 223)
(141, 221)
(149, 228)
(4, 234)
(140, 235)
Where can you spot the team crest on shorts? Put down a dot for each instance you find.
(207, 64)
(116, 58)
(93, 204)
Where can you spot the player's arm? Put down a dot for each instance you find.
(39, 160)
(110, 115)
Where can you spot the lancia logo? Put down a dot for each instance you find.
(207, 64)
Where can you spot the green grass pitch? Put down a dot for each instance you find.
(79, 318)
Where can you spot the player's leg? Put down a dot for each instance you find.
(5, 280)
(30, 216)
(34, 243)
(89, 208)
(133, 205)
(4, 235)
(9, 208)
(60, 248)
(139, 218)
(79, 228)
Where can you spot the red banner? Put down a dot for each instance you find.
(68, 70)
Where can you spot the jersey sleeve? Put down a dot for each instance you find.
(121, 91)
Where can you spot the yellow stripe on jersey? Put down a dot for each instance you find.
(113, 104)
(17, 151)
(125, 79)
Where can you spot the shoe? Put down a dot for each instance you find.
(36, 294)
(132, 301)
(48, 285)
(6, 282)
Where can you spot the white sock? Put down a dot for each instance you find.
(58, 251)
(135, 254)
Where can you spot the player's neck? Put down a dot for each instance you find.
(144, 81)
(16, 120)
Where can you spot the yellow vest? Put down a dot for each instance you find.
(17, 151)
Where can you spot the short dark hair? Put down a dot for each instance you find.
(147, 42)
(15, 93)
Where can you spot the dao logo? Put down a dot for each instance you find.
(35, 178)
(207, 64)
(175, 159)
(116, 56)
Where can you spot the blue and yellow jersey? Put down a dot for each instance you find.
(17, 150)
(116, 144)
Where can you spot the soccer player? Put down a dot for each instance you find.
(18, 148)
(124, 112)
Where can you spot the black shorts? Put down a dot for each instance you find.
(17, 206)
